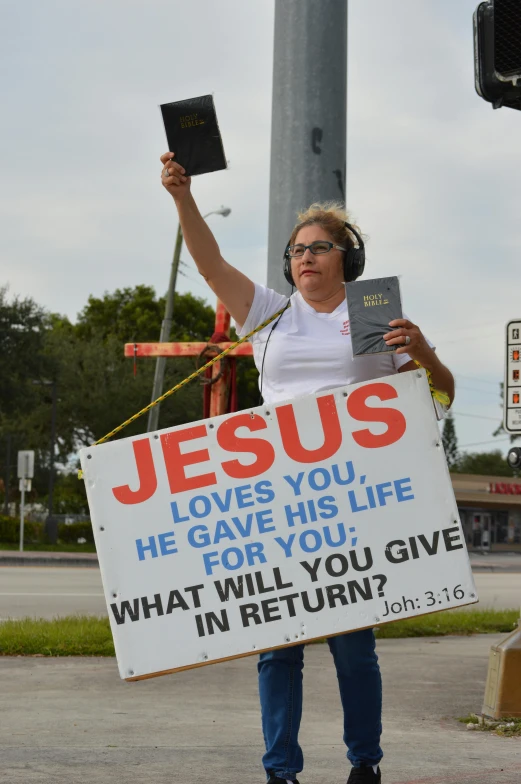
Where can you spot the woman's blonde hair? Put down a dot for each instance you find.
(332, 217)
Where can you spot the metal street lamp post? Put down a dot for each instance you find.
(53, 440)
(7, 479)
(51, 530)
(166, 324)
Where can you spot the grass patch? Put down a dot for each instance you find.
(75, 635)
(65, 547)
(462, 622)
(507, 728)
(88, 635)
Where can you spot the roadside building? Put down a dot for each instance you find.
(490, 511)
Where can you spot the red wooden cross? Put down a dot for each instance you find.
(220, 389)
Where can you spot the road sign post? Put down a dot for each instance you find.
(512, 389)
(25, 474)
(503, 687)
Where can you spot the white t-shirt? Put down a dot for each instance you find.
(308, 351)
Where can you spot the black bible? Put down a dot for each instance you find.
(192, 132)
(372, 304)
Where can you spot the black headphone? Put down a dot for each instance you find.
(354, 260)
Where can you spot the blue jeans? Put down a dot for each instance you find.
(280, 688)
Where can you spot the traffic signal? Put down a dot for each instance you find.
(514, 457)
(497, 52)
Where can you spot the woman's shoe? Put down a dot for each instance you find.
(364, 775)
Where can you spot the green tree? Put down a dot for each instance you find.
(450, 441)
(492, 463)
(135, 315)
(23, 324)
(69, 496)
(25, 411)
(102, 390)
(109, 393)
(96, 385)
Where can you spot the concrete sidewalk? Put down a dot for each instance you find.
(72, 721)
(491, 562)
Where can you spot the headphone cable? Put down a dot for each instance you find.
(265, 349)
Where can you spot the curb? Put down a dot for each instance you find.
(47, 562)
(39, 558)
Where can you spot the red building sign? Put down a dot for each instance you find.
(504, 488)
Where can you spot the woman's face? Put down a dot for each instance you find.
(317, 276)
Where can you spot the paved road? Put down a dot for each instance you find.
(498, 590)
(71, 721)
(45, 591)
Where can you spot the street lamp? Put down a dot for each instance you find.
(166, 324)
(224, 211)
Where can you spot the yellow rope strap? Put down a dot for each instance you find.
(442, 397)
(437, 394)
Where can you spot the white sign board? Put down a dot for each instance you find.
(512, 388)
(250, 531)
(26, 464)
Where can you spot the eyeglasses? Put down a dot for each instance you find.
(317, 247)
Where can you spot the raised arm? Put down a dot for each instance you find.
(233, 288)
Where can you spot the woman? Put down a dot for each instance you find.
(308, 349)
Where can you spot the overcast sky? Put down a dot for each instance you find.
(433, 171)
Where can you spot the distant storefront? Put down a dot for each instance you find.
(490, 511)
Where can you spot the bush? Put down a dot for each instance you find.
(71, 533)
(34, 532)
(10, 531)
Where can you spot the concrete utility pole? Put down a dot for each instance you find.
(309, 117)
